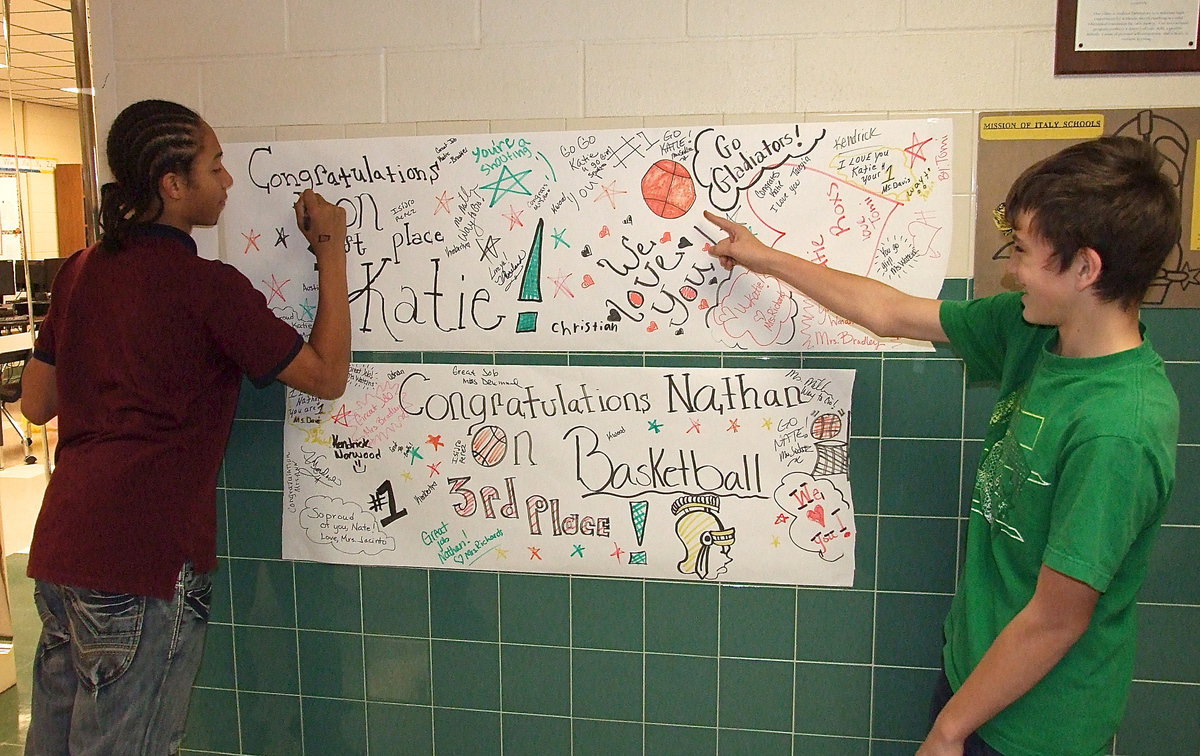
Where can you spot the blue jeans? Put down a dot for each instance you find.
(113, 672)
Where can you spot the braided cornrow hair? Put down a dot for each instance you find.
(148, 140)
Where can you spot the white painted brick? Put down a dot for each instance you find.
(520, 21)
(311, 131)
(978, 14)
(741, 119)
(1038, 87)
(173, 29)
(895, 72)
(740, 18)
(541, 81)
(235, 134)
(350, 25)
(371, 130)
(694, 119)
(607, 122)
(430, 128)
(178, 82)
(292, 90)
(526, 125)
(724, 76)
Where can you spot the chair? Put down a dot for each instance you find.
(10, 391)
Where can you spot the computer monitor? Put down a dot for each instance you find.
(8, 281)
(52, 266)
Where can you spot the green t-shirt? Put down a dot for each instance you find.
(1076, 471)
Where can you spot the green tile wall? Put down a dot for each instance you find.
(308, 658)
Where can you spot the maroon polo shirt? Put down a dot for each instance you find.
(149, 345)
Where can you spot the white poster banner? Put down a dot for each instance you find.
(682, 473)
(596, 240)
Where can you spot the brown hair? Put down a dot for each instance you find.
(1107, 194)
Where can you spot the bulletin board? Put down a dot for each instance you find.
(1010, 142)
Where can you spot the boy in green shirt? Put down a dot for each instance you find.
(1079, 459)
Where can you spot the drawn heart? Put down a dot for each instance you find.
(817, 515)
(704, 305)
(613, 316)
(586, 251)
(587, 280)
(666, 237)
(628, 220)
(604, 231)
(684, 243)
(652, 327)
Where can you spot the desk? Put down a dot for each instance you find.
(13, 344)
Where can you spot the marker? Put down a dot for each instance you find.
(305, 222)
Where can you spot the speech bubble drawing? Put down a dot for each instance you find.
(820, 515)
(344, 525)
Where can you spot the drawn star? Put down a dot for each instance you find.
(767, 423)
(310, 310)
(734, 426)
(914, 150)
(695, 426)
(276, 287)
(514, 218)
(655, 426)
(505, 184)
(435, 469)
(436, 441)
(558, 238)
(413, 455)
(443, 203)
(534, 553)
(775, 541)
(406, 475)
(251, 241)
(341, 417)
(313, 435)
(578, 551)
(781, 519)
(617, 552)
(607, 192)
(501, 553)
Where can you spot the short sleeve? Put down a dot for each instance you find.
(977, 331)
(245, 329)
(1109, 490)
(45, 347)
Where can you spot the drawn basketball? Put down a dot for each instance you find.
(826, 426)
(489, 445)
(668, 189)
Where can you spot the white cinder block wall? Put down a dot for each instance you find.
(310, 69)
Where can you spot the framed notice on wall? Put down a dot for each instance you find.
(1010, 141)
(1116, 36)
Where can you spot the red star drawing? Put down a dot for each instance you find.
(434, 469)
(914, 150)
(534, 553)
(514, 218)
(617, 552)
(251, 241)
(435, 441)
(443, 203)
(781, 519)
(342, 416)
